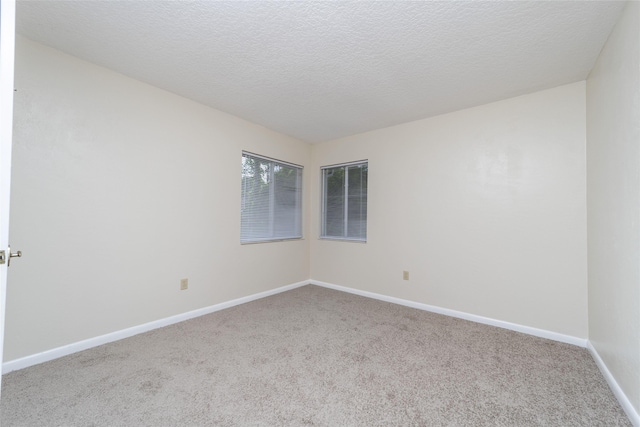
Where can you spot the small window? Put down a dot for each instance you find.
(271, 200)
(344, 201)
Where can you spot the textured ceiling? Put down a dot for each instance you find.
(323, 70)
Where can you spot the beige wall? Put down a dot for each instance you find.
(613, 158)
(484, 207)
(120, 190)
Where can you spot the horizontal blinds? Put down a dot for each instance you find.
(271, 199)
(344, 201)
(341, 165)
(280, 162)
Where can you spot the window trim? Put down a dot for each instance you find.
(323, 205)
(271, 196)
(271, 159)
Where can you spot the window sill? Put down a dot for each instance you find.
(342, 239)
(256, 242)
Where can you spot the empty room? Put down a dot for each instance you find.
(320, 213)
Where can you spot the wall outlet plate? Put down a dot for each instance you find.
(184, 284)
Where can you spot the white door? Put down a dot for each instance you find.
(7, 49)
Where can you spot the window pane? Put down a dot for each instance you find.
(287, 200)
(357, 205)
(271, 200)
(334, 202)
(255, 197)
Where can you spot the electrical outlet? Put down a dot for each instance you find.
(184, 284)
(405, 275)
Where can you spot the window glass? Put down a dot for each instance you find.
(344, 201)
(271, 200)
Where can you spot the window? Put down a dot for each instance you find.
(344, 201)
(271, 200)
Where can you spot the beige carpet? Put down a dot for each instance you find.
(314, 356)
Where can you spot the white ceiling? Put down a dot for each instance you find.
(323, 70)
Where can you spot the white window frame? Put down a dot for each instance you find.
(323, 203)
(299, 219)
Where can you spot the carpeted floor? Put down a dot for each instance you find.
(314, 356)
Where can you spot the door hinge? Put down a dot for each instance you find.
(5, 256)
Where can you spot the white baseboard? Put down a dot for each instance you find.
(581, 342)
(45, 356)
(613, 384)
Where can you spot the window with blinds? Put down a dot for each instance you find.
(271, 200)
(344, 201)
